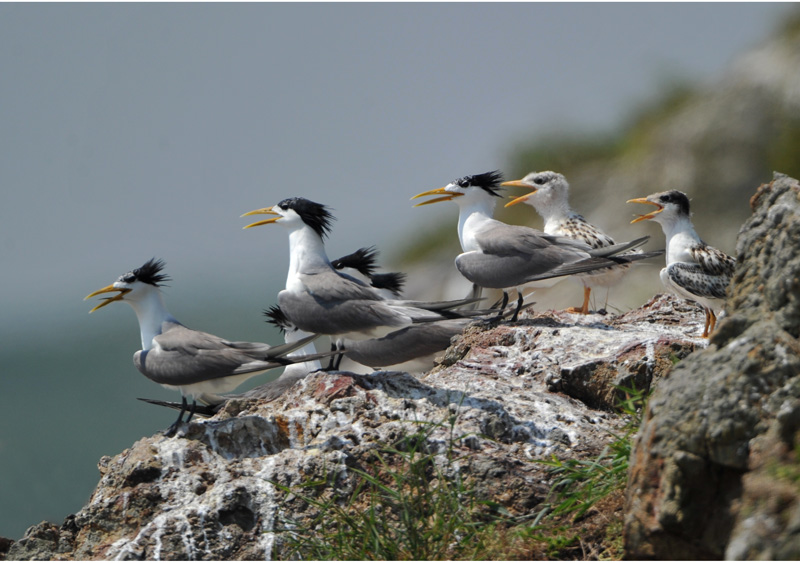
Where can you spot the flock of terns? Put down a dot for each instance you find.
(362, 312)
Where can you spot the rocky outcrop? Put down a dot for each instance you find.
(715, 471)
(515, 393)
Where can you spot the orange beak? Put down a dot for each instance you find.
(262, 211)
(648, 215)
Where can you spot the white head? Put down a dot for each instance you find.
(136, 286)
(550, 192)
(467, 190)
(295, 212)
(672, 207)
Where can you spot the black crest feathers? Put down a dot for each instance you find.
(275, 316)
(362, 260)
(313, 214)
(678, 198)
(392, 281)
(149, 272)
(488, 181)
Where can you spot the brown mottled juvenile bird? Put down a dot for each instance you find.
(695, 271)
(550, 198)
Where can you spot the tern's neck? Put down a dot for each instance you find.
(306, 251)
(680, 235)
(471, 217)
(555, 213)
(152, 313)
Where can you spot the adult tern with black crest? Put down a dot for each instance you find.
(177, 357)
(320, 300)
(501, 256)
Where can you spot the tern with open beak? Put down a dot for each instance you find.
(501, 256)
(549, 196)
(177, 357)
(318, 299)
(694, 271)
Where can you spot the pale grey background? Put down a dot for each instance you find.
(136, 130)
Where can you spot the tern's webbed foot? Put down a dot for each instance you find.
(172, 430)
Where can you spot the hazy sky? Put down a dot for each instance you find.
(129, 131)
(134, 130)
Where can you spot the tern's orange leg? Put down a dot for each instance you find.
(711, 321)
(586, 291)
(583, 309)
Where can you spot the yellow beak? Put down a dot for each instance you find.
(520, 199)
(262, 211)
(517, 184)
(106, 300)
(446, 196)
(648, 215)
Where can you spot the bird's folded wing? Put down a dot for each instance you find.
(513, 240)
(713, 261)
(328, 285)
(182, 356)
(337, 316)
(693, 279)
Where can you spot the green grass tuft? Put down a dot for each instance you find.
(404, 505)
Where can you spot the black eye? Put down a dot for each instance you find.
(129, 277)
(462, 182)
(538, 181)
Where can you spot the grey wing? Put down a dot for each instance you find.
(713, 261)
(514, 255)
(261, 351)
(405, 344)
(309, 312)
(329, 285)
(507, 240)
(496, 271)
(183, 356)
(696, 281)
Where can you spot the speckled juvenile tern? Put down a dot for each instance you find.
(695, 271)
(501, 256)
(320, 300)
(177, 357)
(549, 196)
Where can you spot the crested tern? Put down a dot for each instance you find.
(320, 300)
(549, 196)
(695, 271)
(177, 357)
(361, 264)
(501, 256)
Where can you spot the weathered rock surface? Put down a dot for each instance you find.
(715, 471)
(521, 392)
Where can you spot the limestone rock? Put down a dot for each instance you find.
(714, 472)
(516, 393)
